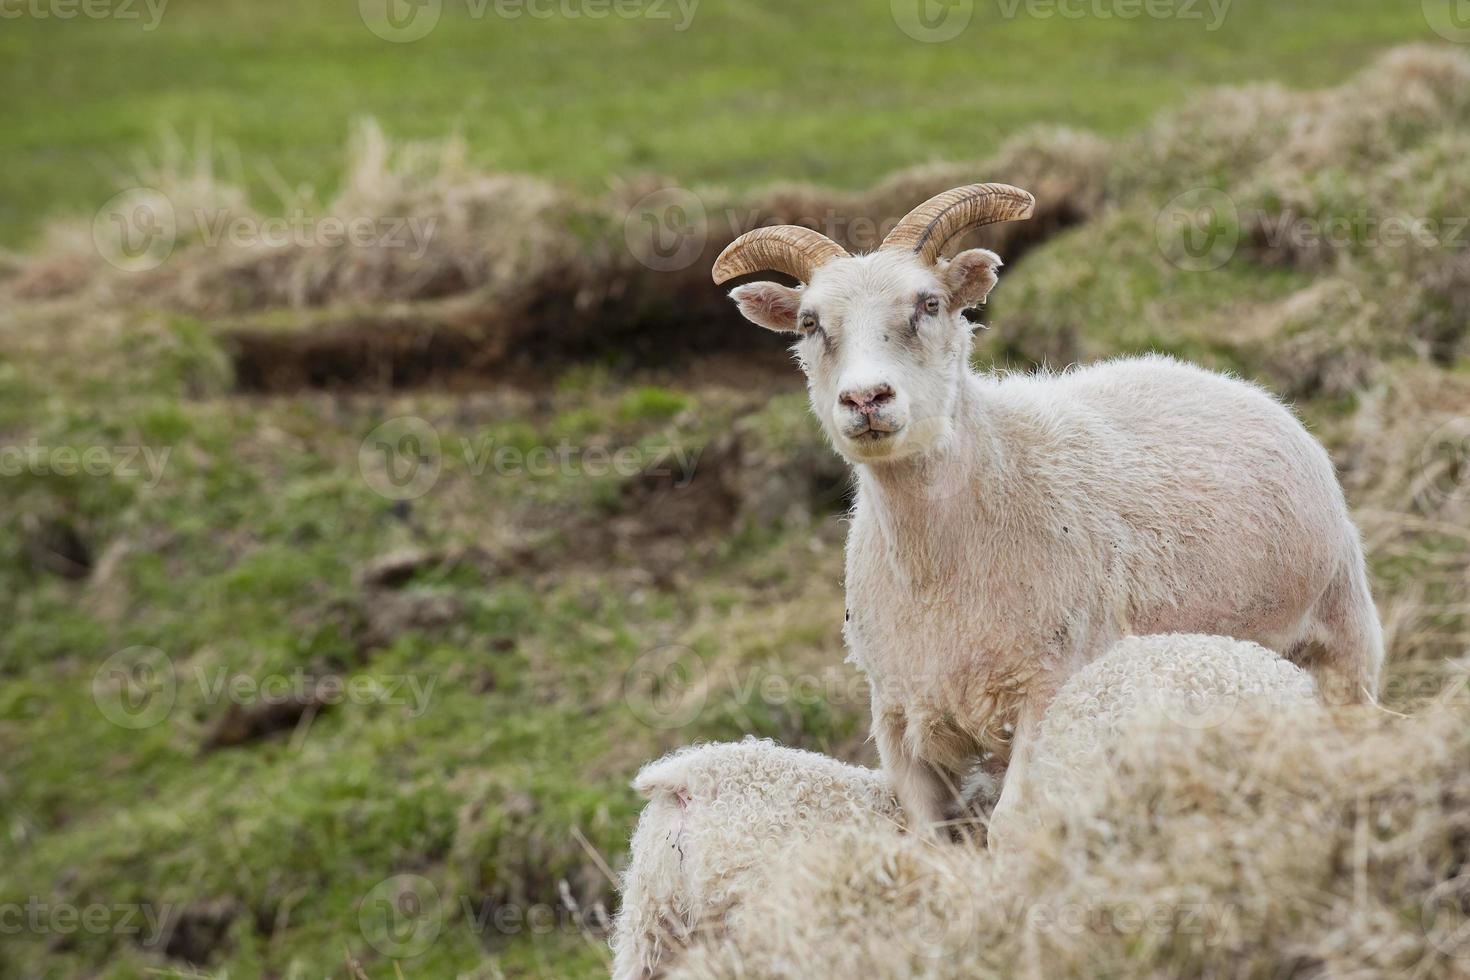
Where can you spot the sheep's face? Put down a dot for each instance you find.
(883, 344)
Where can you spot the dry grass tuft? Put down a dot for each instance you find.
(1335, 848)
(1321, 341)
(498, 272)
(1340, 219)
(1406, 454)
(436, 227)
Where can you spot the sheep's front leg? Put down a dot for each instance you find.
(1012, 811)
(921, 789)
(1008, 817)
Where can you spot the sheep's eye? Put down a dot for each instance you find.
(808, 322)
(931, 305)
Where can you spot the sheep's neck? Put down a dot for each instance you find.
(929, 506)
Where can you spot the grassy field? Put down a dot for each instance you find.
(520, 636)
(751, 91)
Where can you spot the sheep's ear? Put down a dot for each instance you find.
(769, 304)
(971, 276)
(667, 775)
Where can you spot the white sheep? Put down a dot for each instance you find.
(1009, 529)
(717, 819)
(1144, 687)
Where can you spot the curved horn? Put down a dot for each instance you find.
(931, 225)
(791, 249)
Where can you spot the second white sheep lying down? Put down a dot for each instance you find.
(1144, 687)
(710, 837)
(722, 819)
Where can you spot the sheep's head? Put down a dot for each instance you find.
(881, 337)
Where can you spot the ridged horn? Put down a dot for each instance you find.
(791, 249)
(930, 226)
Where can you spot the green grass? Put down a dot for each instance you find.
(238, 561)
(752, 91)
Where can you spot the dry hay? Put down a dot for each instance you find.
(1327, 849)
(1355, 197)
(491, 274)
(1406, 468)
(584, 282)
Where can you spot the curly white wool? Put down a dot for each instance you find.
(716, 819)
(1144, 686)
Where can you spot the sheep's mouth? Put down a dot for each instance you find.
(872, 430)
(874, 444)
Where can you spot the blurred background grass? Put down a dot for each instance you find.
(528, 606)
(751, 92)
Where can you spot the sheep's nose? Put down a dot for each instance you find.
(866, 400)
